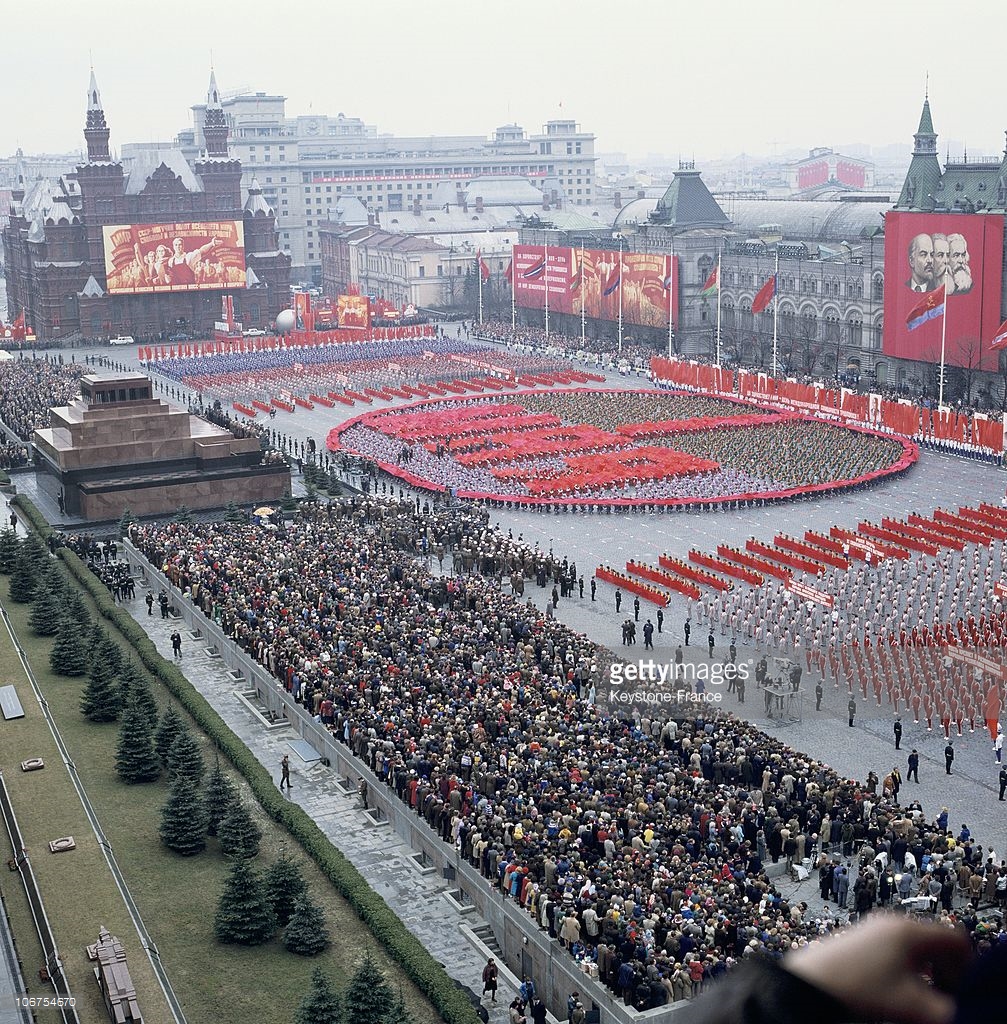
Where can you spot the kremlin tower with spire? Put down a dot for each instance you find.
(147, 247)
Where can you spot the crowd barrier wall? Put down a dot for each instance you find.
(525, 948)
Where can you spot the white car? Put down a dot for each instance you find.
(122, 339)
(254, 332)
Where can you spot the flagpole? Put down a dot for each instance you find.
(719, 291)
(944, 334)
(479, 274)
(776, 307)
(618, 281)
(671, 285)
(580, 288)
(545, 277)
(513, 295)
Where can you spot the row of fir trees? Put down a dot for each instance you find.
(254, 905)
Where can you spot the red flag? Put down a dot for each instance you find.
(484, 269)
(612, 282)
(931, 307)
(1000, 338)
(765, 297)
(18, 328)
(712, 282)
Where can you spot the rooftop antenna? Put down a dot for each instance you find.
(926, 85)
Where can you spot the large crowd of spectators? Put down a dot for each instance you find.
(640, 845)
(239, 426)
(602, 352)
(29, 387)
(12, 455)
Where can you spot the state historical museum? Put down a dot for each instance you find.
(146, 250)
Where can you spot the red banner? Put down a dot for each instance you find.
(979, 661)
(354, 311)
(303, 313)
(809, 593)
(642, 285)
(186, 256)
(921, 251)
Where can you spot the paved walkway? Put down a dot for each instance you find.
(377, 852)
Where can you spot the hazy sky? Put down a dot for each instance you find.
(652, 76)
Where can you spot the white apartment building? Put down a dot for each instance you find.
(305, 164)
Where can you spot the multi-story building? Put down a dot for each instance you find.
(146, 251)
(842, 263)
(405, 269)
(305, 164)
(823, 169)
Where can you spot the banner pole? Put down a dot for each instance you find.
(944, 334)
(671, 300)
(719, 291)
(545, 277)
(776, 307)
(580, 288)
(619, 286)
(513, 294)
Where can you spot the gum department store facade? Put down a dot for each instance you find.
(832, 280)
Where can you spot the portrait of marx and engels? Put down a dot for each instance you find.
(936, 257)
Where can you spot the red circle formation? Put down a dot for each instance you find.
(909, 453)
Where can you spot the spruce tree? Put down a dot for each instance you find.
(185, 758)
(24, 578)
(46, 610)
(233, 514)
(368, 997)
(220, 795)
(35, 552)
(135, 757)
(285, 884)
(170, 726)
(399, 1014)
(244, 916)
(96, 636)
(75, 606)
(238, 834)
(183, 820)
(100, 699)
(8, 550)
(68, 656)
(321, 1004)
(183, 517)
(306, 934)
(109, 652)
(125, 519)
(133, 690)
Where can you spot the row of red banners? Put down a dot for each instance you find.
(305, 339)
(899, 417)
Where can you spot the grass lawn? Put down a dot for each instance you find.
(78, 890)
(177, 896)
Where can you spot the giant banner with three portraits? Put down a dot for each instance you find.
(963, 252)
